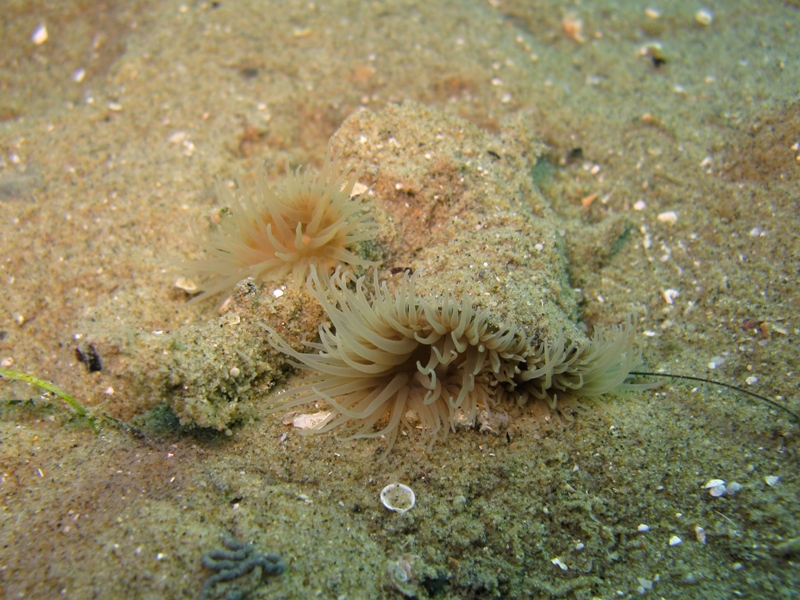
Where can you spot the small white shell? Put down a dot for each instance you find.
(398, 497)
(309, 421)
(704, 17)
(715, 487)
(186, 284)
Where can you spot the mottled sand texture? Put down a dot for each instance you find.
(653, 158)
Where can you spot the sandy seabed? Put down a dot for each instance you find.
(661, 155)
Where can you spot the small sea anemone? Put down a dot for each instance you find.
(307, 222)
(391, 358)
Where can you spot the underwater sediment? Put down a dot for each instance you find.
(454, 205)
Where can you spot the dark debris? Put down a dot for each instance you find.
(237, 560)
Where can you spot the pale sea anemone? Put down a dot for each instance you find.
(307, 221)
(397, 360)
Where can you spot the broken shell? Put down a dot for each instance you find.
(398, 497)
(309, 421)
(715, 487)
(186, 284)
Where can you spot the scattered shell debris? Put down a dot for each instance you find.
(398, 497)
(642, 528)
(675, 541)
(771, 480)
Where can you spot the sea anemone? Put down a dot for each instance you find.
(393, 355)
(395, 358)
(309, 221)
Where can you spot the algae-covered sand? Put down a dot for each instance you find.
(552, 162)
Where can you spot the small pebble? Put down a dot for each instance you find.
(643, 528)
(675, 540)
(771, 480)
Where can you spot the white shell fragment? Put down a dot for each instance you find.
(668, 217)
(670, 295)
(700, 534)
(771, 480)
(704, 17)
(675, 540)
(39, 35)
(309, 421)
(398, 497)
(716, 487)
(186, 284)
(559, 563)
